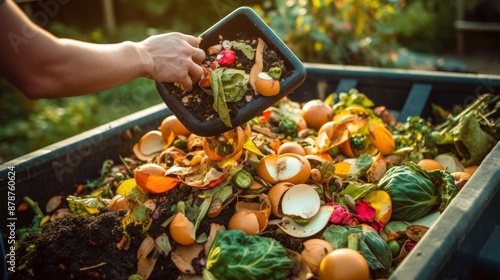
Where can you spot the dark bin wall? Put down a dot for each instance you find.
(60, 167)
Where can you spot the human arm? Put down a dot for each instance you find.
(44, 66)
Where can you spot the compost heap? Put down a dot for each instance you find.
(267, 200)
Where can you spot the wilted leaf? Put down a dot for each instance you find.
(416, 232)
(471, 141)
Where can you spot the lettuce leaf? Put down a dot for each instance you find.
(236, 255)
(228, 85)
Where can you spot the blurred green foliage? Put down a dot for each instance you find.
(354, 32)
(426, 25)
(28, 125)
(361, 32)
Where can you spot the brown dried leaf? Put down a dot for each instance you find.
(146, 265)
(183, 255)
(416, 232)
(147, 245)
(300, 270)
(377, 170)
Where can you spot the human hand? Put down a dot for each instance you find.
(173, 57)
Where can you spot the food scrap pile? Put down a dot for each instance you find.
(301, 192)
(237, 71)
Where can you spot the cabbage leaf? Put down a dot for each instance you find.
(236, 255)
(445, 187)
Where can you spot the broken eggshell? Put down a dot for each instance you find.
(301, 200)
(198, 172)
(149, 146)
(286, 167)
(59, 214)
(251, 217)
(264, 204)
(331, 134)
(182, 230)
(275, 194)
(53, 203)
(151, 177)
(315, 225)
(117, 203)
(251, 222)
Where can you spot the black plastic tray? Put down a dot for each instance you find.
(241, 19)
(454, 248)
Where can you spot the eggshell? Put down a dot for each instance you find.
(150, 145)
(244, 220)
(315, 225)
(301, 200)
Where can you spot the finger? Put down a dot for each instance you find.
(198, 55)
(186, 82)
(193, 41)
(195, 73)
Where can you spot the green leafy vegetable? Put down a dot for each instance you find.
(235, 255)
(336, 236)
(288, 127)
(139, 214)
(412, 191)
(353, 97)
(474, 131)
(85, 205)
(105, 171)
(375, 250)
(245, 48)
(357, 192)
(275, 73)
(445, 187)
(228, 85)
(417, 139)
(368, 242)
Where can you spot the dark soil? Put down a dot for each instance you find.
(200, 103)
(78, 247)
(67, 247)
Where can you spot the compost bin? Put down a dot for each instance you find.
(461, 243)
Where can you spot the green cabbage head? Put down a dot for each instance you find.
(412, 192)
(236, 255)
